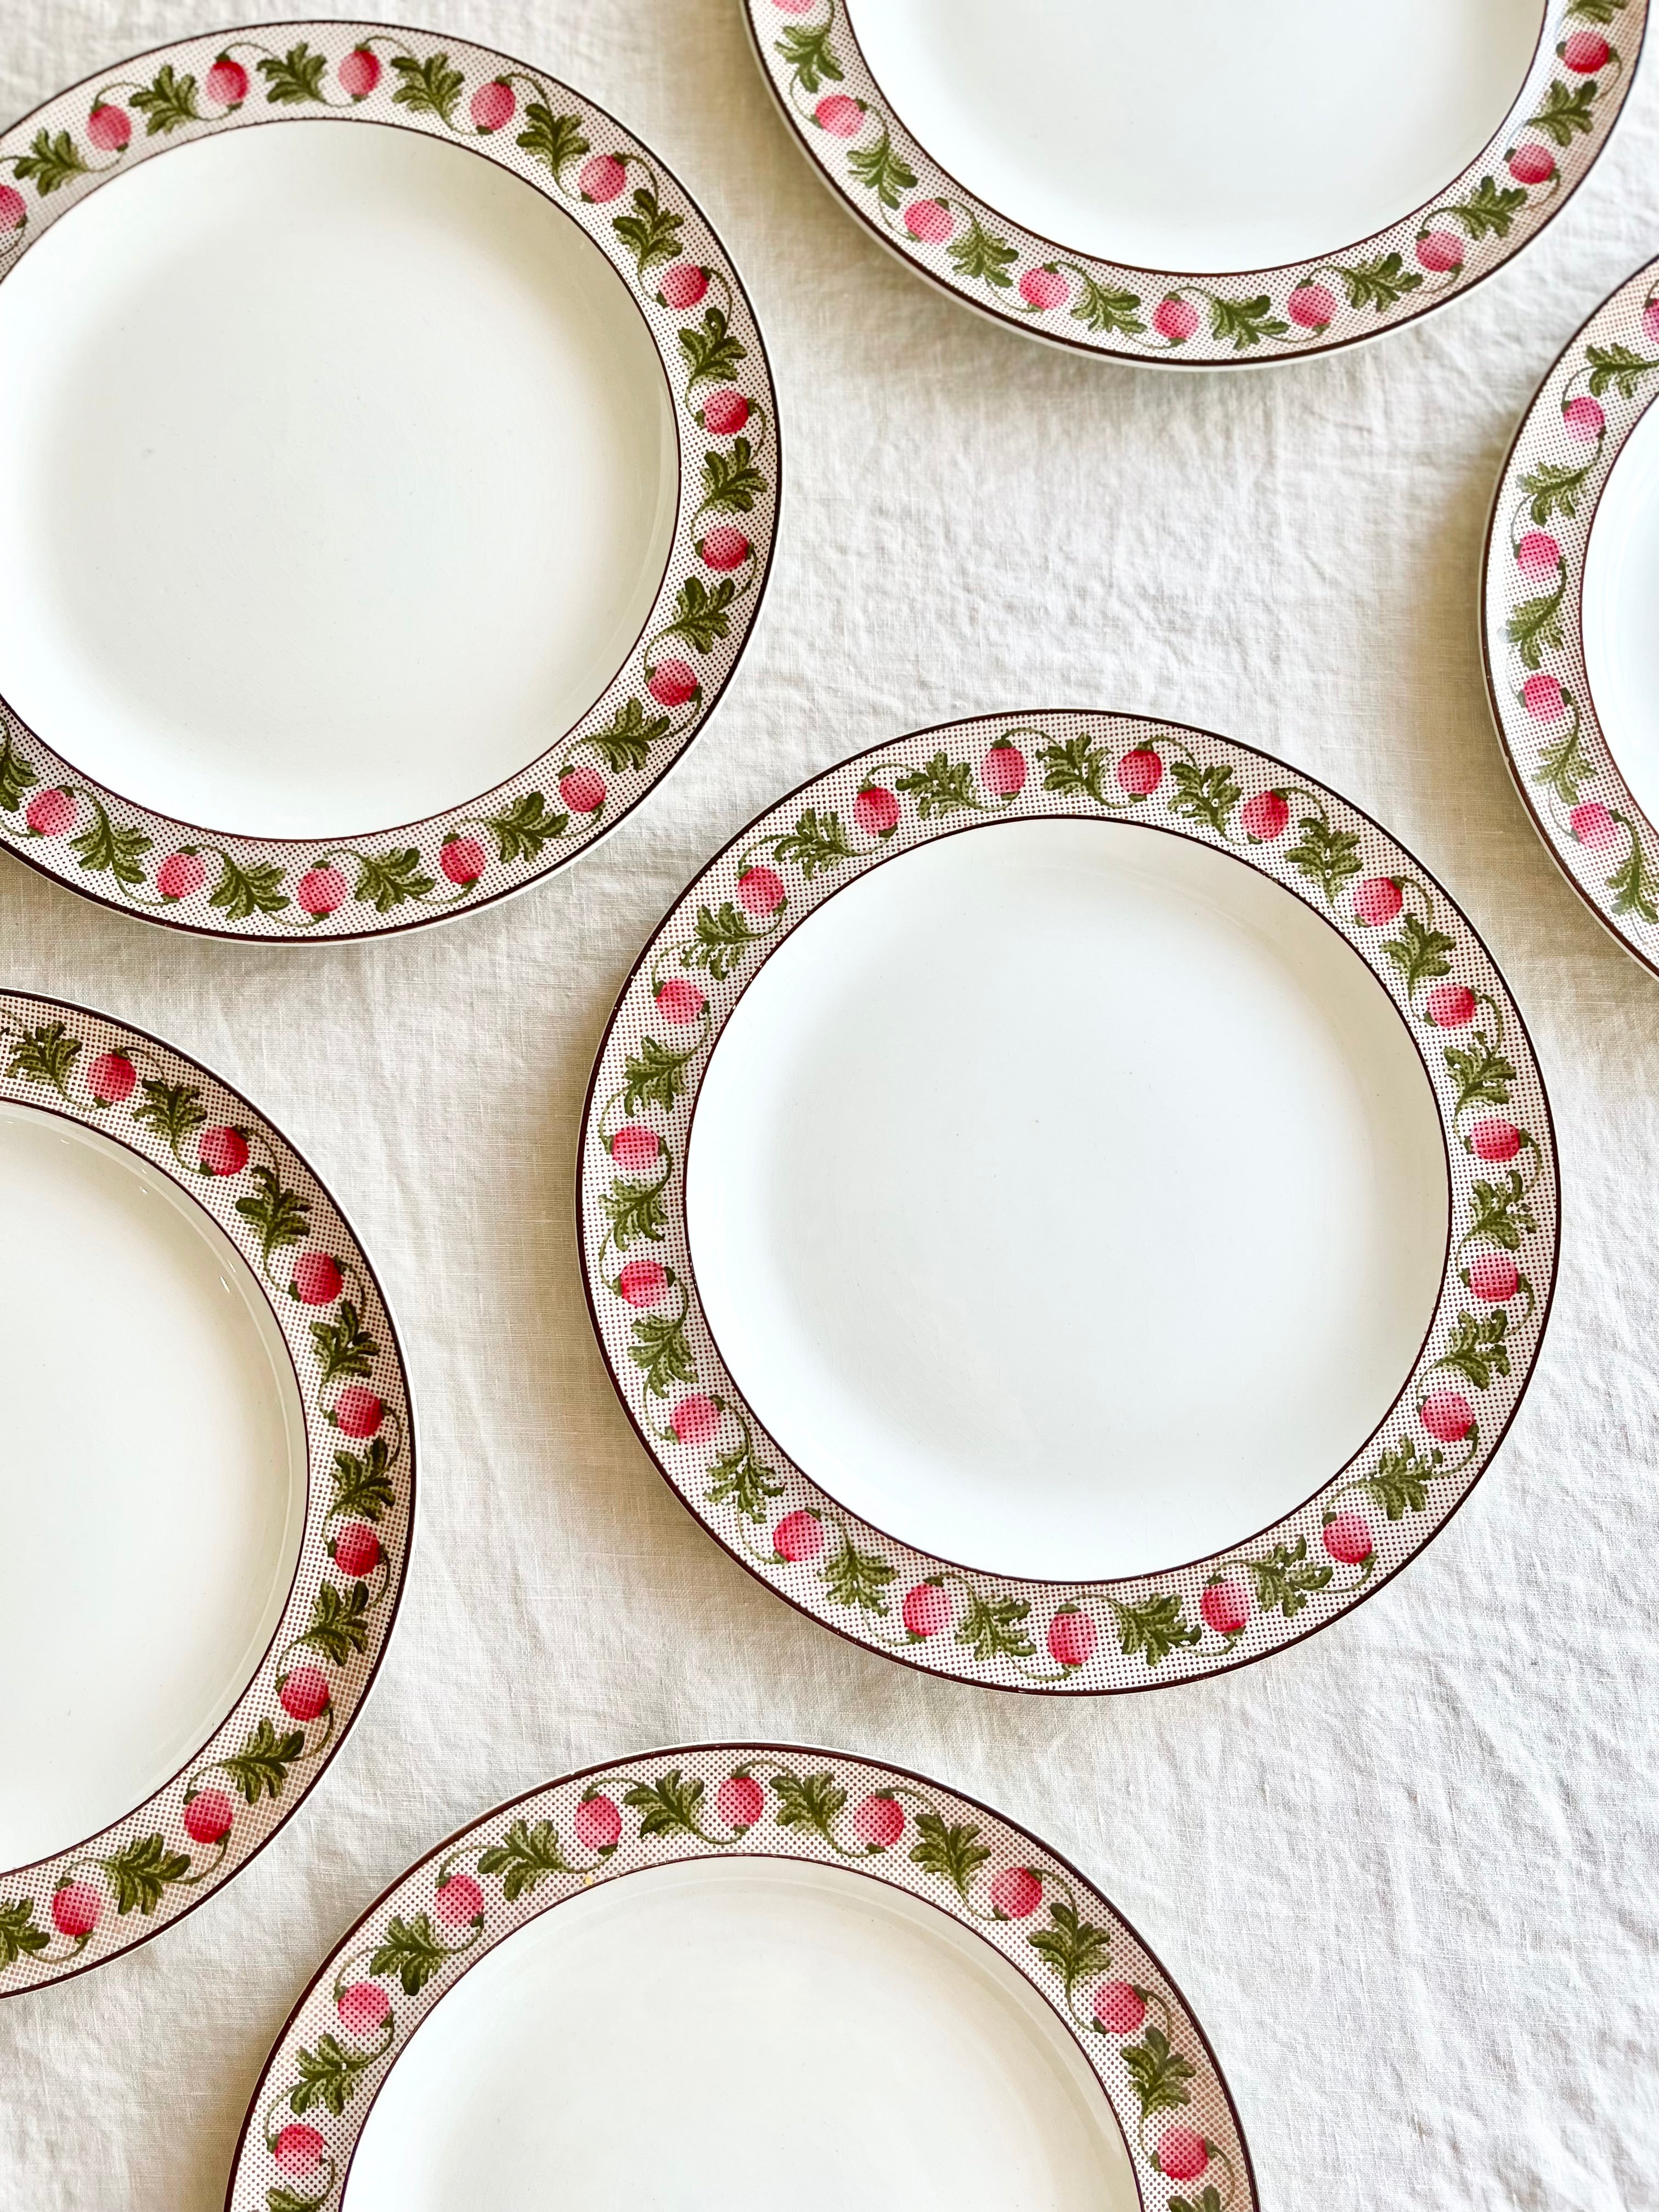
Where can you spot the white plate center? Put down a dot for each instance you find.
(706, 2036)
(152, 1480)
(1201, 134)
(1067, 1199)
(337, 477)
(1621, 612)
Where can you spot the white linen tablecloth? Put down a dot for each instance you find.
(1406, 1872)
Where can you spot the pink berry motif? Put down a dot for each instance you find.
(682, 286)
(222, 1151)
(14, 209)
(1543, 698)
(180, 876)
(1538, 555)
(356, 1550)
(672, 683)
(635, 1147)
(1312, 306)
(840, 117)
(1493, 1277)
(582, 790)
(360, 72)
(1447, 1415)
(927, 1610)
(298, 2149)
(76, 1909)
(761, 892)
(1495, 1141)
(1377, 900)
(642, 1282)
(1592, 825)
(680, 1002)
(305, 1693)
(493, 105)
(458, 1902)
(798, 1536)
(318, 1280)
(1264, 817)
(739, 1802)
(1016, 1893)
(724, 413)
(599, 1825)
(1002, 771)
(208, 1816)
(1140, 772)
(111, 1078)
(931, 221)
(357, 1412)
(876, 810)
(1225, 1606)
(602, 177)
(724, 549)
(1584, 52)
(1175, 318)
(1071, 1637)
(1583, 419)
(1531, 162)
(1651, 321)
(50, 813)
(226, 82)
(1348, 1538)
(1449, 1006)
(1044, 289)
(1440, 251)
(1183, 2154)
(695, 1420)
(878, 1822)
(1119, 2008)
(363, 2007)
(109, 128)
(320, 891)
(463, 859)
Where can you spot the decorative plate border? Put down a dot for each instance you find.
(62, 1915)
(1532, 631)
(1551, 137)
(1006, 1632)
(1133, 2027)
(692, 301)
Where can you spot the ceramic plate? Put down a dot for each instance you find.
(1205, 185)
(1569, 591)
(1081, 1253)
(377, 525)
(767, 1961)
(207, 1486)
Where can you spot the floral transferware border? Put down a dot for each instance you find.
(1533, 629)
(118, 1887)
(776, 1801)
(1561, 119)
(692, 301)
(1009, 1632)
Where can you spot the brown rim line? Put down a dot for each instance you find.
(692, 299)
(107, 1893)
(1003, 1897)
(1543, 515)
(1268, 1590)
(1440, 249)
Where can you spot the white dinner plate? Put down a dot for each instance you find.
(206, 1487)
(1204, 184)
(771, 1972)
(1571, 612)
(377, 525)
(1068, 1201)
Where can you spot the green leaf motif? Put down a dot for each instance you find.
(1400, 1482)
(339, 1621)
(1479, 1350)
(521, 829)
(1160, 2075)
(362, 1483)
(1073, 1948)
(431, 87)
(1596, 11)
(954, 1852)
(16, 776)
(805, 48)
(1565, 767)
(105, 849)
(1208, 2199)
(1381, 283)
(1075, 765)
(1536, 624)
(660, 1351)
(1555, 489)
(1484, 1077)
(1633, 884)
(142, 1873)
(743, 1480)
(386, 879)
(939, 787)
(628, 736)
(711, 351)
(50, 162)
(1328, 857)
(1563, 114)
(1156, 1628)
(343, 1345)
(46, 1054)
(19, 1937)
(558, 140)
(1101, 308)
(282, 1217)
(1502, 1214)
(523, 1857)
(295, 77)
(410, 1950)
(817, 841)
(328, 2077)
(808, 1801)
(173, 1110)
(995, 1628)
(1285, 1579)
(669, 1807)
(701, 616)
(651, 231)
(242, 893)
(883, 171)
(722, 938)
(981, 257)
(1419, 952)
(1204, 794)
(260, 1767)
(1488, 212)
(731, 483)
(635, 1213)
(858, 1578)
(654, 1075)
(281, 2199)
(1616, 367)
(167, 103)
(1246, 322)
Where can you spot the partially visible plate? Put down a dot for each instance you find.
(732, 1972)
(207, 1488)
(1204, 185)
(1570, 599)
(1068, 1201)
(376, 523)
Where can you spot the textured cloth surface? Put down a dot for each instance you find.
(1404, 1872)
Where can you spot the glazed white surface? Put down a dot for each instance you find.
(1404, 1872)
(337, 476)
(1203, 135)
(1067, 1200)
(716, 2032)
(1621, 612)
(152, 1480)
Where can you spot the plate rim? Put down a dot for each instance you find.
(1274, 340)
(784, 1843)
(517, 862)
(262, 1815)
(1504, 589)
(680, 1462)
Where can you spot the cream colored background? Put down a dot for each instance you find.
(1405, 1873)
